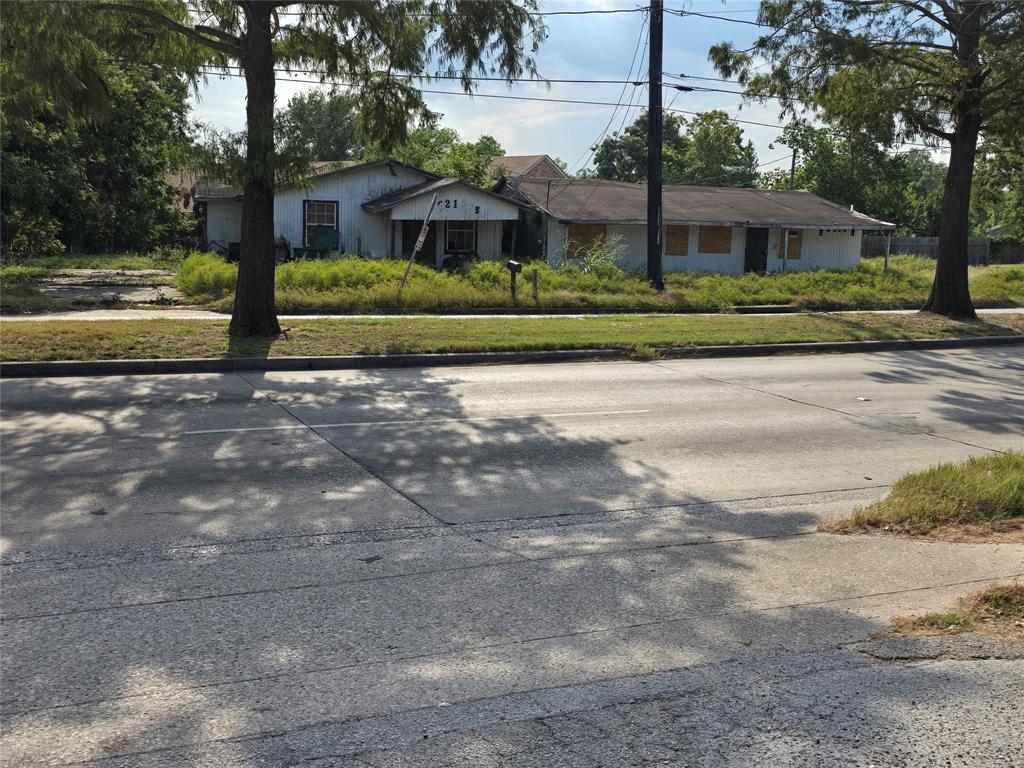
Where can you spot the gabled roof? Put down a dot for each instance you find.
(207, 189)
(399, 196)
(519, 165)
(617, 202)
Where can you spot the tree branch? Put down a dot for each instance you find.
(173, 26)
(923, 10)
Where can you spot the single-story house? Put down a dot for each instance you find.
(706, 229)
(529, 166)
(536, 211)
(377, 208)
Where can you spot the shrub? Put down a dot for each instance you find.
(206, 274)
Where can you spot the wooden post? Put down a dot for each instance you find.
(419, 243)
(888, 245)
(535, 280)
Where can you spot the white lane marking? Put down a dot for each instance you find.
(413, 421)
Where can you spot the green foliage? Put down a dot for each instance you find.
(981, 489)
(884, 68)
(330, 123)
(708, 150)
(599, 258)
(997, 197)
(905, 188)
(441, 151)
(351, 283)
(100, 184)
(206, 274)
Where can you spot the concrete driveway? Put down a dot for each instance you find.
(605, 564)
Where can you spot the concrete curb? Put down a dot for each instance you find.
(351, 362)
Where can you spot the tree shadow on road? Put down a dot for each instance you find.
(983, 388)
(214, 560)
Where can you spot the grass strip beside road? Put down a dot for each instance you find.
(981, 498)
(997, 610)
(181, 338)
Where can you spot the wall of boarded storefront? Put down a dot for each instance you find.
(827, 250)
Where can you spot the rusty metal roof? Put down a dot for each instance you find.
(616, 202)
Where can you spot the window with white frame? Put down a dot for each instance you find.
(318, 213)
(460, 236)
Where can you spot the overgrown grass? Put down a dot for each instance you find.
(641, 335)
(982, 494)
(160, 258)
(998, 609)
(353, 284)
(905, 285)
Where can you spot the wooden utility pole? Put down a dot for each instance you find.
(655, 122)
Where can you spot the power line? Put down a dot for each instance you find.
(589, 12)
(681, 13)
(473, 78)
(544, 99)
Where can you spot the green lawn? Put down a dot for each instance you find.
(351, 284)
(121, 339)
(980, 494)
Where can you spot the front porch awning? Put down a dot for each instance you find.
(456, 201)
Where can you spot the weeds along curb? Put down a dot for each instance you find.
(16, 370)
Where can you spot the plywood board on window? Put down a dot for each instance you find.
(585, 236)
(715, 240)
(796, 243)
(677, 240)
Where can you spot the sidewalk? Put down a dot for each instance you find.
(201, 314)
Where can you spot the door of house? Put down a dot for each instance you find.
(756, 254)
(410, 232)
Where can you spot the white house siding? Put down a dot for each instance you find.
(457, 204)
(632, 240)
(831, 249)
(224, 221)
(367, 234)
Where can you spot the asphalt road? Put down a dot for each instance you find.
(606, 564)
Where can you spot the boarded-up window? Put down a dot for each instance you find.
(677, 240)
(584, 236)
(715, 240)
(796, 242)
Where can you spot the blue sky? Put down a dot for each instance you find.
(577, 47)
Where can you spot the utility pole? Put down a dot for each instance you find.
(655, 123)
(792, 169)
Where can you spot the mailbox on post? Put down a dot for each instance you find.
(514, 268)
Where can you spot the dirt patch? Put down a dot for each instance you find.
(992, 532)
(997, 611)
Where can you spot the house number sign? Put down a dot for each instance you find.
(453, 202)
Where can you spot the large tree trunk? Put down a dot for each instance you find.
(254, 313)
(950, 294)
